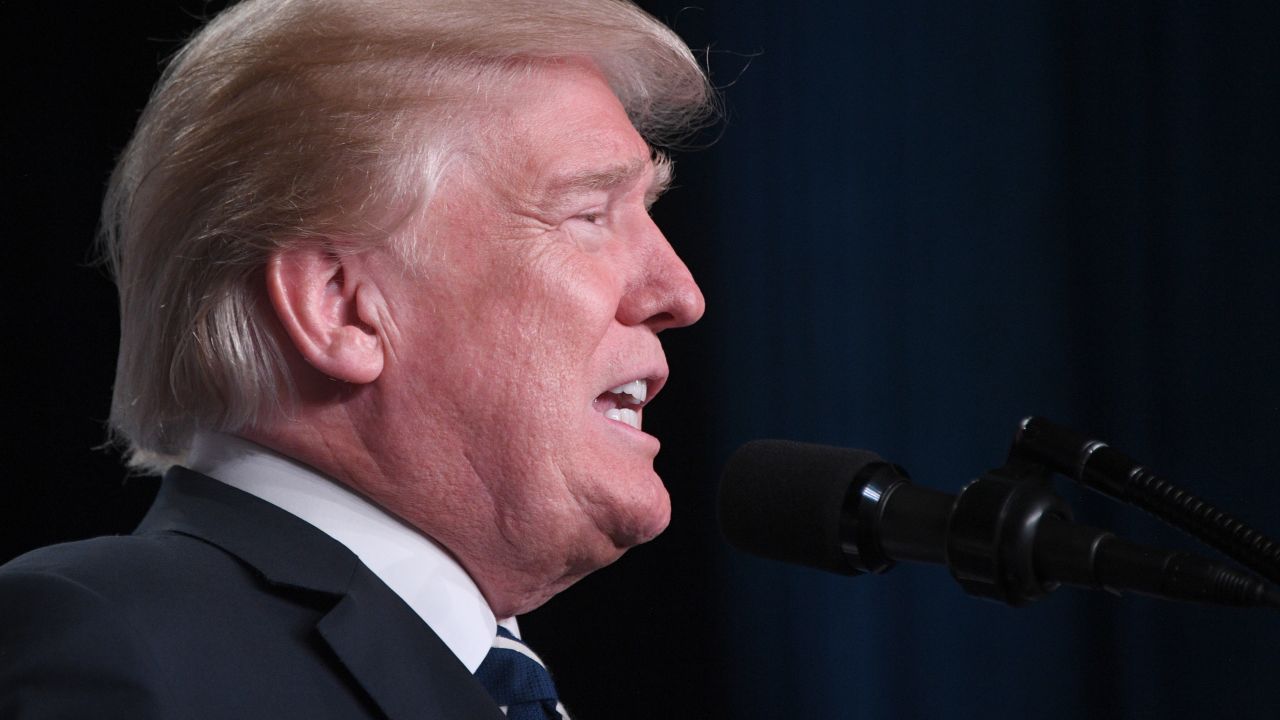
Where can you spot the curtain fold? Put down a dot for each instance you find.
(932, 219)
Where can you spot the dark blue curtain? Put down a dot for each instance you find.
(925, 220)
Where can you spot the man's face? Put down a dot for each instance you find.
(521, 354)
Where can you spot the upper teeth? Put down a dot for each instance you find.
(637, 390)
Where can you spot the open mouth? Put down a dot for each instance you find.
(623, 403)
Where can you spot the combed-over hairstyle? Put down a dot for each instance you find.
(286, 122)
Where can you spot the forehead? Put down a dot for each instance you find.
(561, 127)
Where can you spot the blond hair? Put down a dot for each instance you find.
(317, 121)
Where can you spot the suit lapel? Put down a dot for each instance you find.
(402, 665)
(367, 630)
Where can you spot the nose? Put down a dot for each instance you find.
(664, 293)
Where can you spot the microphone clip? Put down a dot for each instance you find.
(995, 522)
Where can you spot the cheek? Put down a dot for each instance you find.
(543, 291)
(554, 319)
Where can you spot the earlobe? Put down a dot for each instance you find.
(324, 304)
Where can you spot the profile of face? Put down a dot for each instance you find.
(521, 354)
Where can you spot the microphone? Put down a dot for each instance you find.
(1005, 537)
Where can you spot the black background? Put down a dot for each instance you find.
(920, 222)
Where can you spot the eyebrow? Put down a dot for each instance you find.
(663, 172)
(609, 178)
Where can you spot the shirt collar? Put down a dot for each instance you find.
(421, 572)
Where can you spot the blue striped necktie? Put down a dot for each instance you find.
(516, 678)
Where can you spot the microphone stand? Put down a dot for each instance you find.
(1009, 537)
(1097, 466)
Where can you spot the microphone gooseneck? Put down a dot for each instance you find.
(1099, 467)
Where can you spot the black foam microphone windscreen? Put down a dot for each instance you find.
(783, 500)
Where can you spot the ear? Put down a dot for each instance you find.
(327, 306)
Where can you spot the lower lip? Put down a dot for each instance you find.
(636, 435)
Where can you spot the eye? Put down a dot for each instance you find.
(588, 229)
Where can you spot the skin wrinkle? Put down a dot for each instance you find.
(398, 497)
(552, 201)
(559, 192)
(481, 429)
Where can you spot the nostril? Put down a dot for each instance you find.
(662, 301)
(662, 320)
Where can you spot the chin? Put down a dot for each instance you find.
(627, 529)
(645, 518)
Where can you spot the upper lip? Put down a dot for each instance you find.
(655, 377)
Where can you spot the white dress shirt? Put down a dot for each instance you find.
(421, 572)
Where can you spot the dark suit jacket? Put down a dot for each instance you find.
(219, 605)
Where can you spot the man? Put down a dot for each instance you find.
(390, 300)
